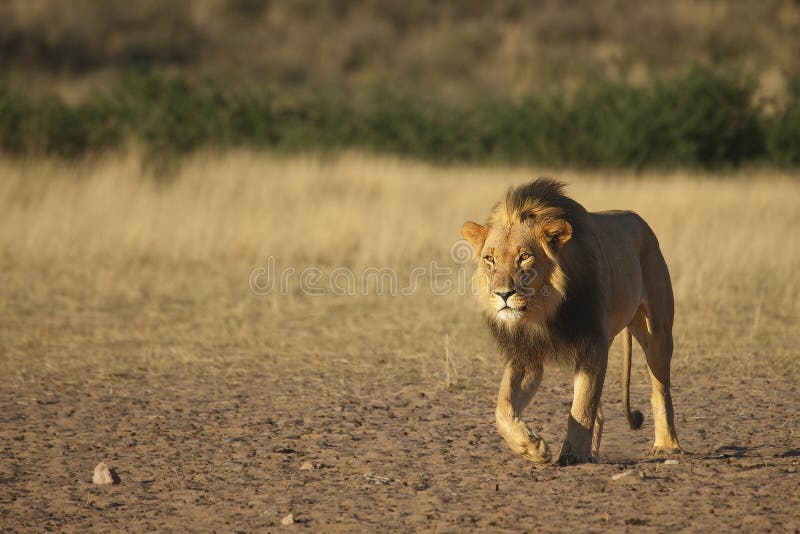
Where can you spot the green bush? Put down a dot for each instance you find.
(704, 119)
(700, 119)
(783, 131)
(14, 113)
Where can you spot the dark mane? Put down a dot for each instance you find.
(545, 191)
(543, 198)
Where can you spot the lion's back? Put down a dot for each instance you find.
(635, 271)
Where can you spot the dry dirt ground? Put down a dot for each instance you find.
(222, 410)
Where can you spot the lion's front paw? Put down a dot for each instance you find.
(536, 451)
(529, 444)
(661, 451)
(573, 459)
(569, 455)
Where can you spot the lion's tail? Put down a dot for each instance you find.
(635, 418)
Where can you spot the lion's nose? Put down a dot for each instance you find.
(504, 294)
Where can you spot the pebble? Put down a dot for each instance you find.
(103, 475)
(288, 520)
(626, 473)
(671, 462)
(307, 466)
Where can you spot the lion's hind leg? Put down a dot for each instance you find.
(597, 431)
(656, 341)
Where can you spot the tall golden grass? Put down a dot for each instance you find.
(730, 240)
(357, 209)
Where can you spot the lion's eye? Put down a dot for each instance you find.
(489, 259)
(525, 256)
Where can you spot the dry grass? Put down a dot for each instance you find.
(359, 210)
(165, 264)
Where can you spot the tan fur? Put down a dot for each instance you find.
(558, 284)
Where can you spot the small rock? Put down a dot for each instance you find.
(671, 462)
(626, 473)
(288, 520)
(307, 466)
(103, 475)
(375, 479)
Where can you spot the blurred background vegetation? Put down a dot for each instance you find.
(583, 83)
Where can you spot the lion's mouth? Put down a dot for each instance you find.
(507, 313)
(511, 308)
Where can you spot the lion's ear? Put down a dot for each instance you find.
(475, 234)
(556, 232)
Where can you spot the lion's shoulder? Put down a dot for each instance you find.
(621, 229)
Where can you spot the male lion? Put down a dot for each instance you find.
(558, 283)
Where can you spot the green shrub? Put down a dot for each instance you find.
(705, 119)
(783, 131)
(14, 111)
(700, 119)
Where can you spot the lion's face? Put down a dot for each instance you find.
(516, 263)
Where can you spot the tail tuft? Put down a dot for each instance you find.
(635, 419)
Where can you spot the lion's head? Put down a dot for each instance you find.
(519, 250)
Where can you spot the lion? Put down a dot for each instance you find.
(557, 284)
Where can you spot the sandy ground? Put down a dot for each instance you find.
(211, 432)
